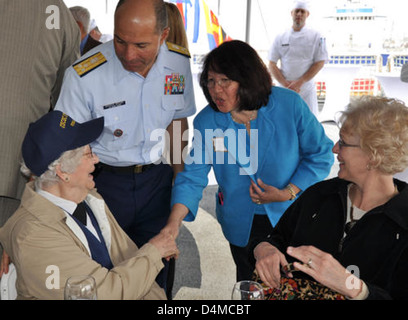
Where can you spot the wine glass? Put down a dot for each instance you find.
(247, 290)
(80, 288)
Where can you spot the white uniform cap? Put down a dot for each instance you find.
(92, 25)
(301, 4)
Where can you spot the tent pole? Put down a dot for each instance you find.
(248, 22)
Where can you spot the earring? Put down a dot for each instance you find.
(368, 167)
(66, 179)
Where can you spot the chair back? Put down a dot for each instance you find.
(8, 284)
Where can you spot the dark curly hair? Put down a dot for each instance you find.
(239, 62)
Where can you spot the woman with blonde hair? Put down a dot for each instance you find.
(177, 34)
(357, 221)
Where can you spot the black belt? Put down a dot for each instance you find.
(138, 168)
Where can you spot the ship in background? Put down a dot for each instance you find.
(367, 46)
(366, 56)
(363, 42)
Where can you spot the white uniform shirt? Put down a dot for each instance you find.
(134, 107)
(298, 51)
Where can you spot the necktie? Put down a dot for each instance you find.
(80, 213)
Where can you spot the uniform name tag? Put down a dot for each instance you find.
(174, 84)
(219, 144)
(114, 105)
(285, 45)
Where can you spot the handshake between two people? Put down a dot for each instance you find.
(165, 242)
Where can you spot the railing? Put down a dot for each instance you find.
(361, 85)
(366, 60)
(396, 61)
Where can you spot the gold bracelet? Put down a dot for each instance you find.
(291, 191)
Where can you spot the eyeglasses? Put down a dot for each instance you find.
(223, 83)
(89, 154)
(344, 144)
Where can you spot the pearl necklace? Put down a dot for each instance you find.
(247, 123)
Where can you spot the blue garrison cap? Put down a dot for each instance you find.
(53, 134)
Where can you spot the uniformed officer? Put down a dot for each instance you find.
(302, 52)
(141, 85)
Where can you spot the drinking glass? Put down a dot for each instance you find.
(80, 288)
(247, 290)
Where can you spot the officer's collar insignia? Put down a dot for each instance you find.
(178, 49)
(91, 63)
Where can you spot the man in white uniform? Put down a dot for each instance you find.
(302, 52)
(141, 86)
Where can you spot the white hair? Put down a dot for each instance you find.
(68, 163)
(82, 15)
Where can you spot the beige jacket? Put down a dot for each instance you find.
(40, 238)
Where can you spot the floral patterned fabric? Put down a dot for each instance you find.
(298, 289)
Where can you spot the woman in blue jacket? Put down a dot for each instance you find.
(264, 145)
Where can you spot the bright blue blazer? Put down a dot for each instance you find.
(289, 146)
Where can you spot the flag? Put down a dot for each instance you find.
(184, 13)
(216, 34)
(196, 21)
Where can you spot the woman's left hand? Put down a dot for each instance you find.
(263, 193)
(322, 267)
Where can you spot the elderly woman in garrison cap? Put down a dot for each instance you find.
(46, 229)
